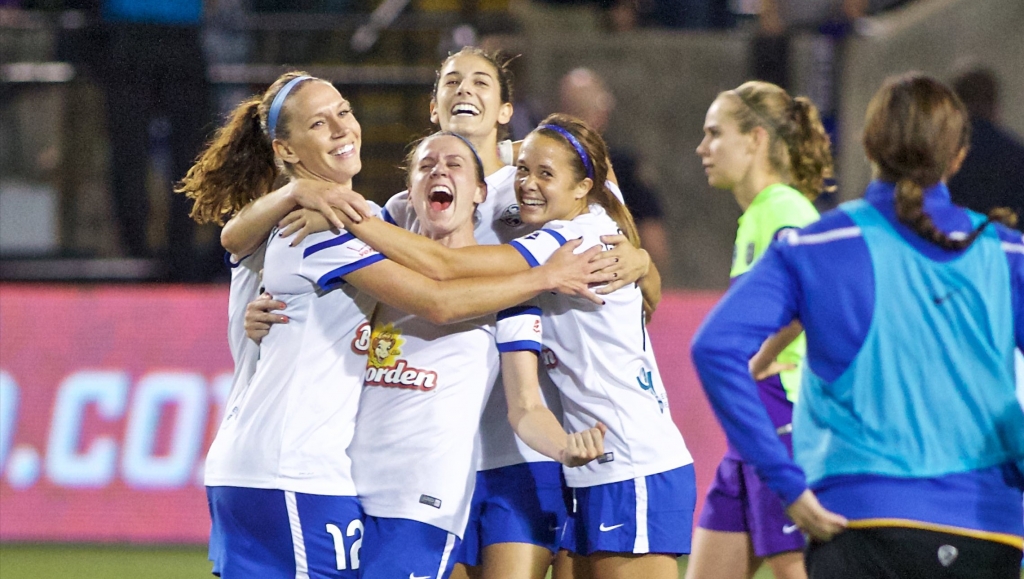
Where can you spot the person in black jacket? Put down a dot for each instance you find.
(993, 172)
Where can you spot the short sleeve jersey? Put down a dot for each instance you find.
(415, 446)
(497, 222)
(777, 209)
(601, 359)
(289, 426)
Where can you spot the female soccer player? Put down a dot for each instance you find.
(278, 479)
(771, 151)
(634, 506)
(415, 445)
(518, 511)
(907, 429)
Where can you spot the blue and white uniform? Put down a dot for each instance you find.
(519, 492)
(278, 478)
(416, 434)
(639, 497)
(897, 329)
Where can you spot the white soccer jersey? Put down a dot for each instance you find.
(600, 358)
(496, 222)
(244, 288)
(290, 428)
(414, 449)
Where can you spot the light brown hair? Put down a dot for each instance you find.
(916, 129)
(238, 165)
(799, 147)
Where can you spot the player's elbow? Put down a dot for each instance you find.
(233, 242)
(706, 348)
(443, 312)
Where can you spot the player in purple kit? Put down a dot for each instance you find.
(771, 151)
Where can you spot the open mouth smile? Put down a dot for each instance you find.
(344, 150)
(465, 110)
(440, 197)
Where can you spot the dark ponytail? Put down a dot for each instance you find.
(916, 128)
(238, 165)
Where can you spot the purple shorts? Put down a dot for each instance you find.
(738, 502)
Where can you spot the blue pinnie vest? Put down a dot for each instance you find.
(954, 408)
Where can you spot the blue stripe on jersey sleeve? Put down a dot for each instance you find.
(387, 216)
(519, 346)
(228, 262)
(333, 279)
(340, 239)
(525, 253)
(519, 311)
(558, 236)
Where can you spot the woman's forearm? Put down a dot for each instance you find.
(531, 420)
(251, 226)
(433, 259)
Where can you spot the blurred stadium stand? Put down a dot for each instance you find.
(53, 163)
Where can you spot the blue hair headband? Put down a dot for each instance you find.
(479, 163)
(575, 145)
(275, 107)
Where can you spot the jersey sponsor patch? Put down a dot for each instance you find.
(510, 216)
(361, 342)
(385, 367)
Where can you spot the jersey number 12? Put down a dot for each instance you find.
(339, 544)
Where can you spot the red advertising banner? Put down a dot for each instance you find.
(110, 395)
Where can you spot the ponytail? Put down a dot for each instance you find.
(236, 168)
(810, 151)
(910, 211)
(238, 165)
(916, 127)
(799, 147)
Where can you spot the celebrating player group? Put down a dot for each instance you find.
(461, 383)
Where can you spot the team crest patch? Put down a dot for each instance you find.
(384, 366)
(785, 234)
(510, 216)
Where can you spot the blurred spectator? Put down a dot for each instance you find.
(625, 15)
(151, 65)
(778, 18)
(582, 93)
(993, 172)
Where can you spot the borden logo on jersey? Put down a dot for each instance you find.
(385, 368)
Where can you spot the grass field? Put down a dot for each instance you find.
(103, 562)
